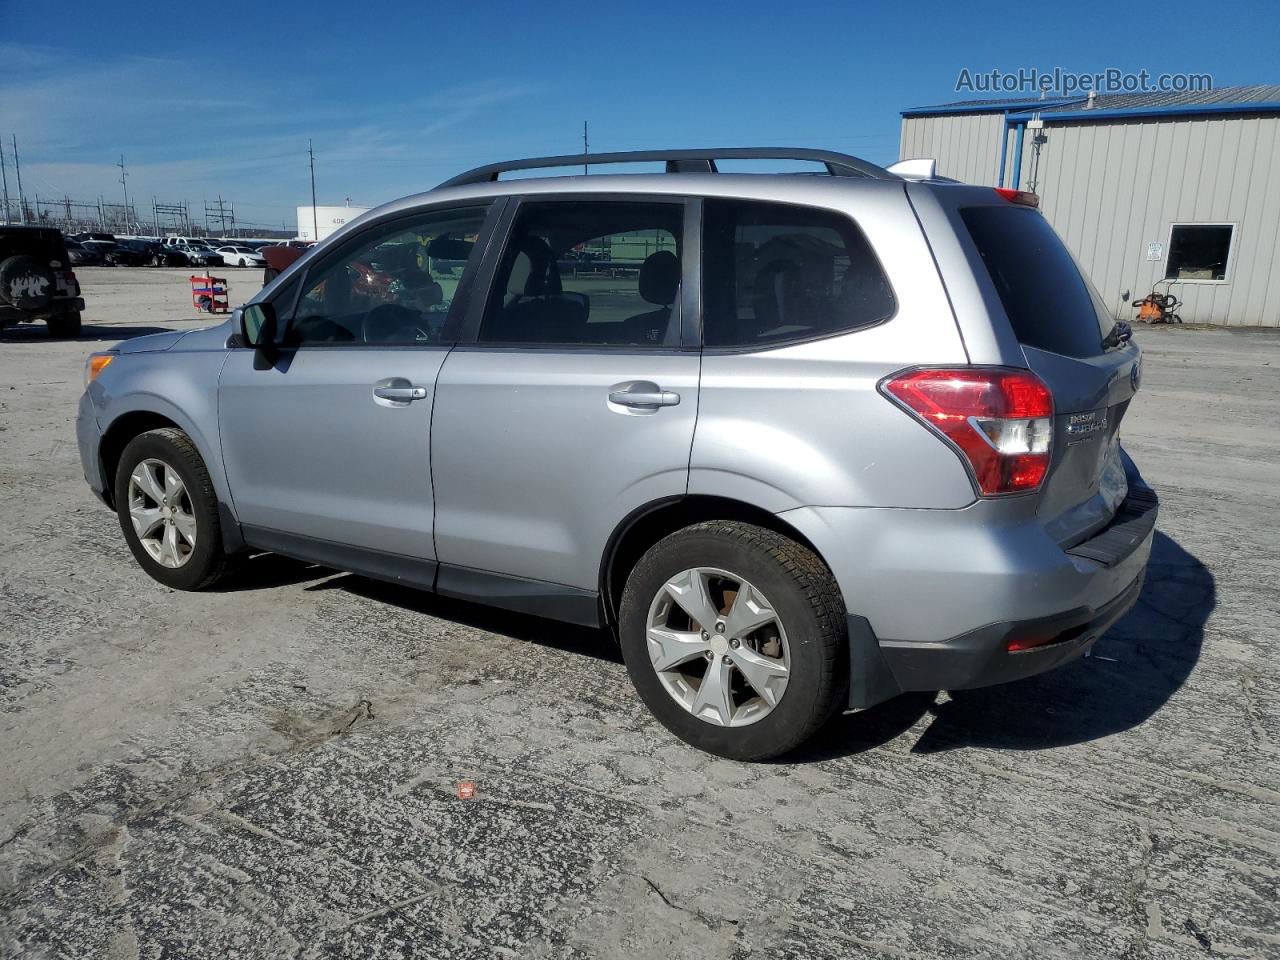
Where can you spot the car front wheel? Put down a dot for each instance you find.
(169, 512)
(735, 638)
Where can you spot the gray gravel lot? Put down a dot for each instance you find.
(271, 771)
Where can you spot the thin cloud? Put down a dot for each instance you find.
(75, 117)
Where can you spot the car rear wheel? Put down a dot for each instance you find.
(64, 326)
(168, 511)
(735, 638)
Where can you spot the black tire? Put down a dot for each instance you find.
(207, 563)
(64, 326)
(26, 283)
(807, 600)
(242, 261)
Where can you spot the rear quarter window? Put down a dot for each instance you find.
(1050, 303)
(775, 273)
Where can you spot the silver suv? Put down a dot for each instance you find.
(800, 443)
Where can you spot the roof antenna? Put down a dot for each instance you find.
(585, 149)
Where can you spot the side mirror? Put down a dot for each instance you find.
(259, 329)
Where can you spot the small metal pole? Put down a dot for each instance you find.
(586, 150)
(5, 177)
(22, 200)
(315, 217)
(124, 181)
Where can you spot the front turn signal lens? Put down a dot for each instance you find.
(96, 364)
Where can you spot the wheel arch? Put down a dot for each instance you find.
(117, 436)
(132, 423)
(648, 524)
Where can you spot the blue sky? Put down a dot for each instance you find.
(213, 98)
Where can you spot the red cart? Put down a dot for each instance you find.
(210, 294)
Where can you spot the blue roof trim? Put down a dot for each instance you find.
(997, 107)
(1181, 109)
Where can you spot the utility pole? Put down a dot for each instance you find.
(5, 177)
(315, 217)
(124, 181)
(586, 150)
(22, 200)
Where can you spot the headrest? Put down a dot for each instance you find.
(543, 279)
(778, 285)
(659, 278)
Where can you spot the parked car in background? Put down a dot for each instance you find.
(37, 282)
(136, 252)
(240, 256)
(103, 248)
(199, 254)
(78, 255)
(818, 441)
(280, 257)
(83, 236)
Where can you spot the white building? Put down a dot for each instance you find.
(1170, 191)
(325, 220)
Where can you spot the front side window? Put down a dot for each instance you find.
(774, 272)
(590, 273)
(1198, 251)
(392, 285)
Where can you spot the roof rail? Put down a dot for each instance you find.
(682, 161)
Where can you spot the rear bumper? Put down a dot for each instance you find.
(52, 309)
(982, 658)
(936, 596)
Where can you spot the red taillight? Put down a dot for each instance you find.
(1024, 197)
(1001, 421)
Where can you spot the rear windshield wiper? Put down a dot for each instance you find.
(1119, 334)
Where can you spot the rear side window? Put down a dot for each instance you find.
(774, 273)
(603, 273)
(1049, 301)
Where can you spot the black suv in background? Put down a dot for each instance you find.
(37, 282)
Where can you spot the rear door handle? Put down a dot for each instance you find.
(642, 393)
(398, 390)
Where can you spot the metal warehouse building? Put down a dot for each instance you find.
(1178, 192)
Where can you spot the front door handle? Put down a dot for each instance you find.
(642, 393)
(398, 390)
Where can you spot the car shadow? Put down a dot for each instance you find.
(26, 332)
(265, 571)
(569, 637)
(1131, 673)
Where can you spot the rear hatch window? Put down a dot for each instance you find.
(1049, 302)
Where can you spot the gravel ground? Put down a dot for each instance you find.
(272, 770)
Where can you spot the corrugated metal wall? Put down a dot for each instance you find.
(966, 145)
(1111, 188)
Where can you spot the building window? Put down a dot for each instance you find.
(1199, 251)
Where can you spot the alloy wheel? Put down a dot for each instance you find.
(161, 511)
(718, 646)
